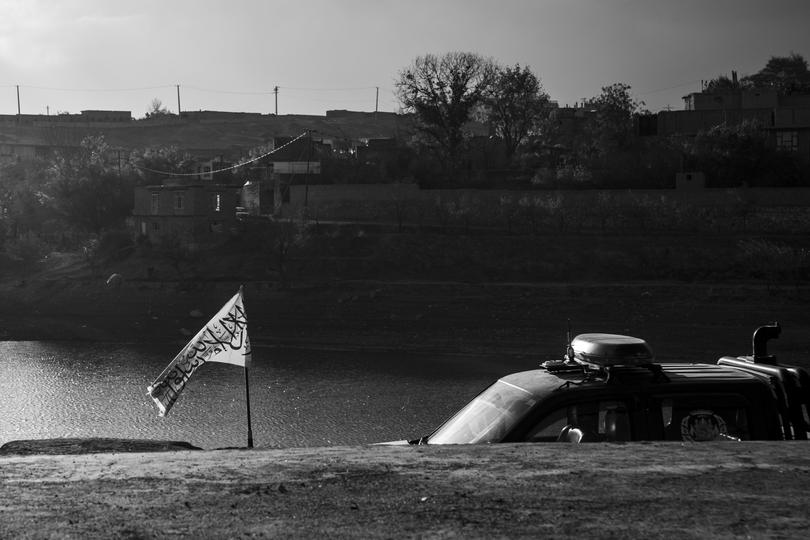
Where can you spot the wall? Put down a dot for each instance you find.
(719, 210)
(330, 194)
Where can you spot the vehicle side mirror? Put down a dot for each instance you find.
(570, 434)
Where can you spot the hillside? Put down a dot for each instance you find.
(212, 133)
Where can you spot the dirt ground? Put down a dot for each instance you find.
(660, 490)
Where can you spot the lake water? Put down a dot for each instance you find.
(298, 397)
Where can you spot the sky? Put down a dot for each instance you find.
(229, 55)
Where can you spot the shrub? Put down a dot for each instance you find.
(27, 250)
(114, 245)
(776, 263)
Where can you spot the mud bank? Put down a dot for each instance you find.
(657, 490)
(680, 320)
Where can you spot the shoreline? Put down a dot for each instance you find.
(435, 317)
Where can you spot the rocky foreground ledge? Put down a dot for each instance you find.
(90, 446)
(655, 490)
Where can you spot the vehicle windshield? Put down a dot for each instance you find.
(487, 418)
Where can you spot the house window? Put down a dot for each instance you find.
(155, 226)
(179, 199)
(154, 205)
(216, 202)
(787, 140)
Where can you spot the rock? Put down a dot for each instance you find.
(91, 446)
(114, 281)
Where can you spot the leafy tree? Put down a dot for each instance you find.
(612, 124)
(741, 154)
(27, 211)
(154, 165)
(22, 201)
(721, 84)
(787, 74)
(515, 104)
(608, 150)
(443, 92)
(86, 190)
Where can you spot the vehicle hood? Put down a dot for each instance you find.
(403, 442)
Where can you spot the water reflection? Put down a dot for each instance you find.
(298, 397)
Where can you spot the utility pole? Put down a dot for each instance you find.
(178, 101)
(18, 100)
(377, 101)
(306, 176)
(275, 91)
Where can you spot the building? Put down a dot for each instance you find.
(193, 215)
(786, 118)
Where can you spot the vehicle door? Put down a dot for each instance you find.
(703, 417)
(607, 418)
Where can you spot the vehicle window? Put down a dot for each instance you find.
(599, 421)
(549, 427)
(487, 418)
(698, 418)
(614, 421)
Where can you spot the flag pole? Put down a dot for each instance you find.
(247, 401)
(247, 380)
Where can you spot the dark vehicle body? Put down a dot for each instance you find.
(608, 389)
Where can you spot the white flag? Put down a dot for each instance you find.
(224, 339)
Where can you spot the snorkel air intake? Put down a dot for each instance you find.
(760, 341)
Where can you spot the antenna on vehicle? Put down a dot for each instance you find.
(567, 362)
(569, 350)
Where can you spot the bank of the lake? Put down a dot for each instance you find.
(658, 490)
(693, 321)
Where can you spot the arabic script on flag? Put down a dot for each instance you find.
(224, 339)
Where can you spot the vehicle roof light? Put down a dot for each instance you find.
(604, 350)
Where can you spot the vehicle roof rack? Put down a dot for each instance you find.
(606, 350)
(608, 354)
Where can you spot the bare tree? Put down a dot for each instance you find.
(443, 91)
(157, 109)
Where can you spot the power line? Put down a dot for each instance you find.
(53, 89)
(198, 88)
(237, 92)
(668, 88)
(304, 89)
